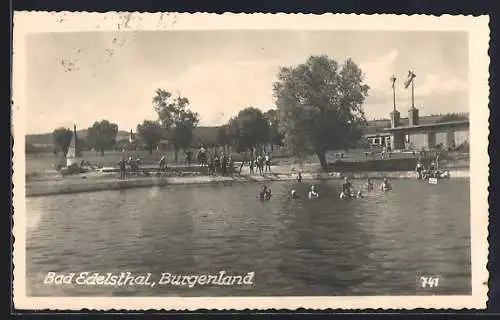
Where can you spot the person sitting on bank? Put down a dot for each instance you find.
(433, 169)
(369, 184)
(312, 193)
(385, 186)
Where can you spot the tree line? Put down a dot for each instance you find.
(319, 107)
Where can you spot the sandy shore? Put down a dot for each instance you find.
(86, 183)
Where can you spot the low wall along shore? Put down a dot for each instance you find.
(84, 184)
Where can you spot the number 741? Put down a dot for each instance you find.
(429, 282)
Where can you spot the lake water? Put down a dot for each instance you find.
(378, 245)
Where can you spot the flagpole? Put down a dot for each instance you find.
(393, 80)
(394, 97)
(412, 93)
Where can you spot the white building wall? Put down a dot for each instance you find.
(419, 140)
(441, 138)
(461, 136)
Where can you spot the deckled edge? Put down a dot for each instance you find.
(112, 310)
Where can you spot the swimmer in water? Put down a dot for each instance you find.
(313, 193)
(263, 193)
(268, 195)
(346, 189)
(385, 186)
(293, 194)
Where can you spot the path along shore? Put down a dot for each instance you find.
(87, 183)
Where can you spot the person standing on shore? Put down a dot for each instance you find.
(268, 162)
(369, 184)
(163, 163)
(299, 177)
(250, 165)
(123, 169)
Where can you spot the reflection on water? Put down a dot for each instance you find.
(326, 246)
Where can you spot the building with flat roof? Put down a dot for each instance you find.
(418, 133)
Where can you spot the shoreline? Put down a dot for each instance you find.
(48, 187)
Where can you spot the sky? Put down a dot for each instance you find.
(79, 78)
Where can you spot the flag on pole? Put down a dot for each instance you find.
(410, 78)
(393, 81)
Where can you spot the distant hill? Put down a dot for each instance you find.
(46, 138)
(201, 135)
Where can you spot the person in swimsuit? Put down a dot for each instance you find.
(346, 189)
(263, 193)
(267, 162)
(268, 195)
(369, 184)
(419, 169)
(313, 193)
(299, 177)
(293, 194)
(385, 186)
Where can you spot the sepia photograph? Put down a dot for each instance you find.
(158, 160)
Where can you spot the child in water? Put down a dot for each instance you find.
(268, 195)
(265, 194)
(385, 186)
(313, 193)
(293, 194)
(346, 189)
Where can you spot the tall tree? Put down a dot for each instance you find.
(102, 135)
(62, 138)
(249, 129)
(223, 137)
(150, 133)
(453, 117)
(175, 118)
(320, 105)
(275, 136)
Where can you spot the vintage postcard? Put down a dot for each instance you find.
(249, 161)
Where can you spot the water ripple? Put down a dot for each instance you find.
(376, 245)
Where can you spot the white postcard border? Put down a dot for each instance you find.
(32, 22)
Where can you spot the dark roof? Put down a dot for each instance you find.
(377, 126)
(380, 126)
(426, 125)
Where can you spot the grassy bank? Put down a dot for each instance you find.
(354, 160)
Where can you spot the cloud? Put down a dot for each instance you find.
(218, 90)
(435, 84)
(379, 70)
(434, 93)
